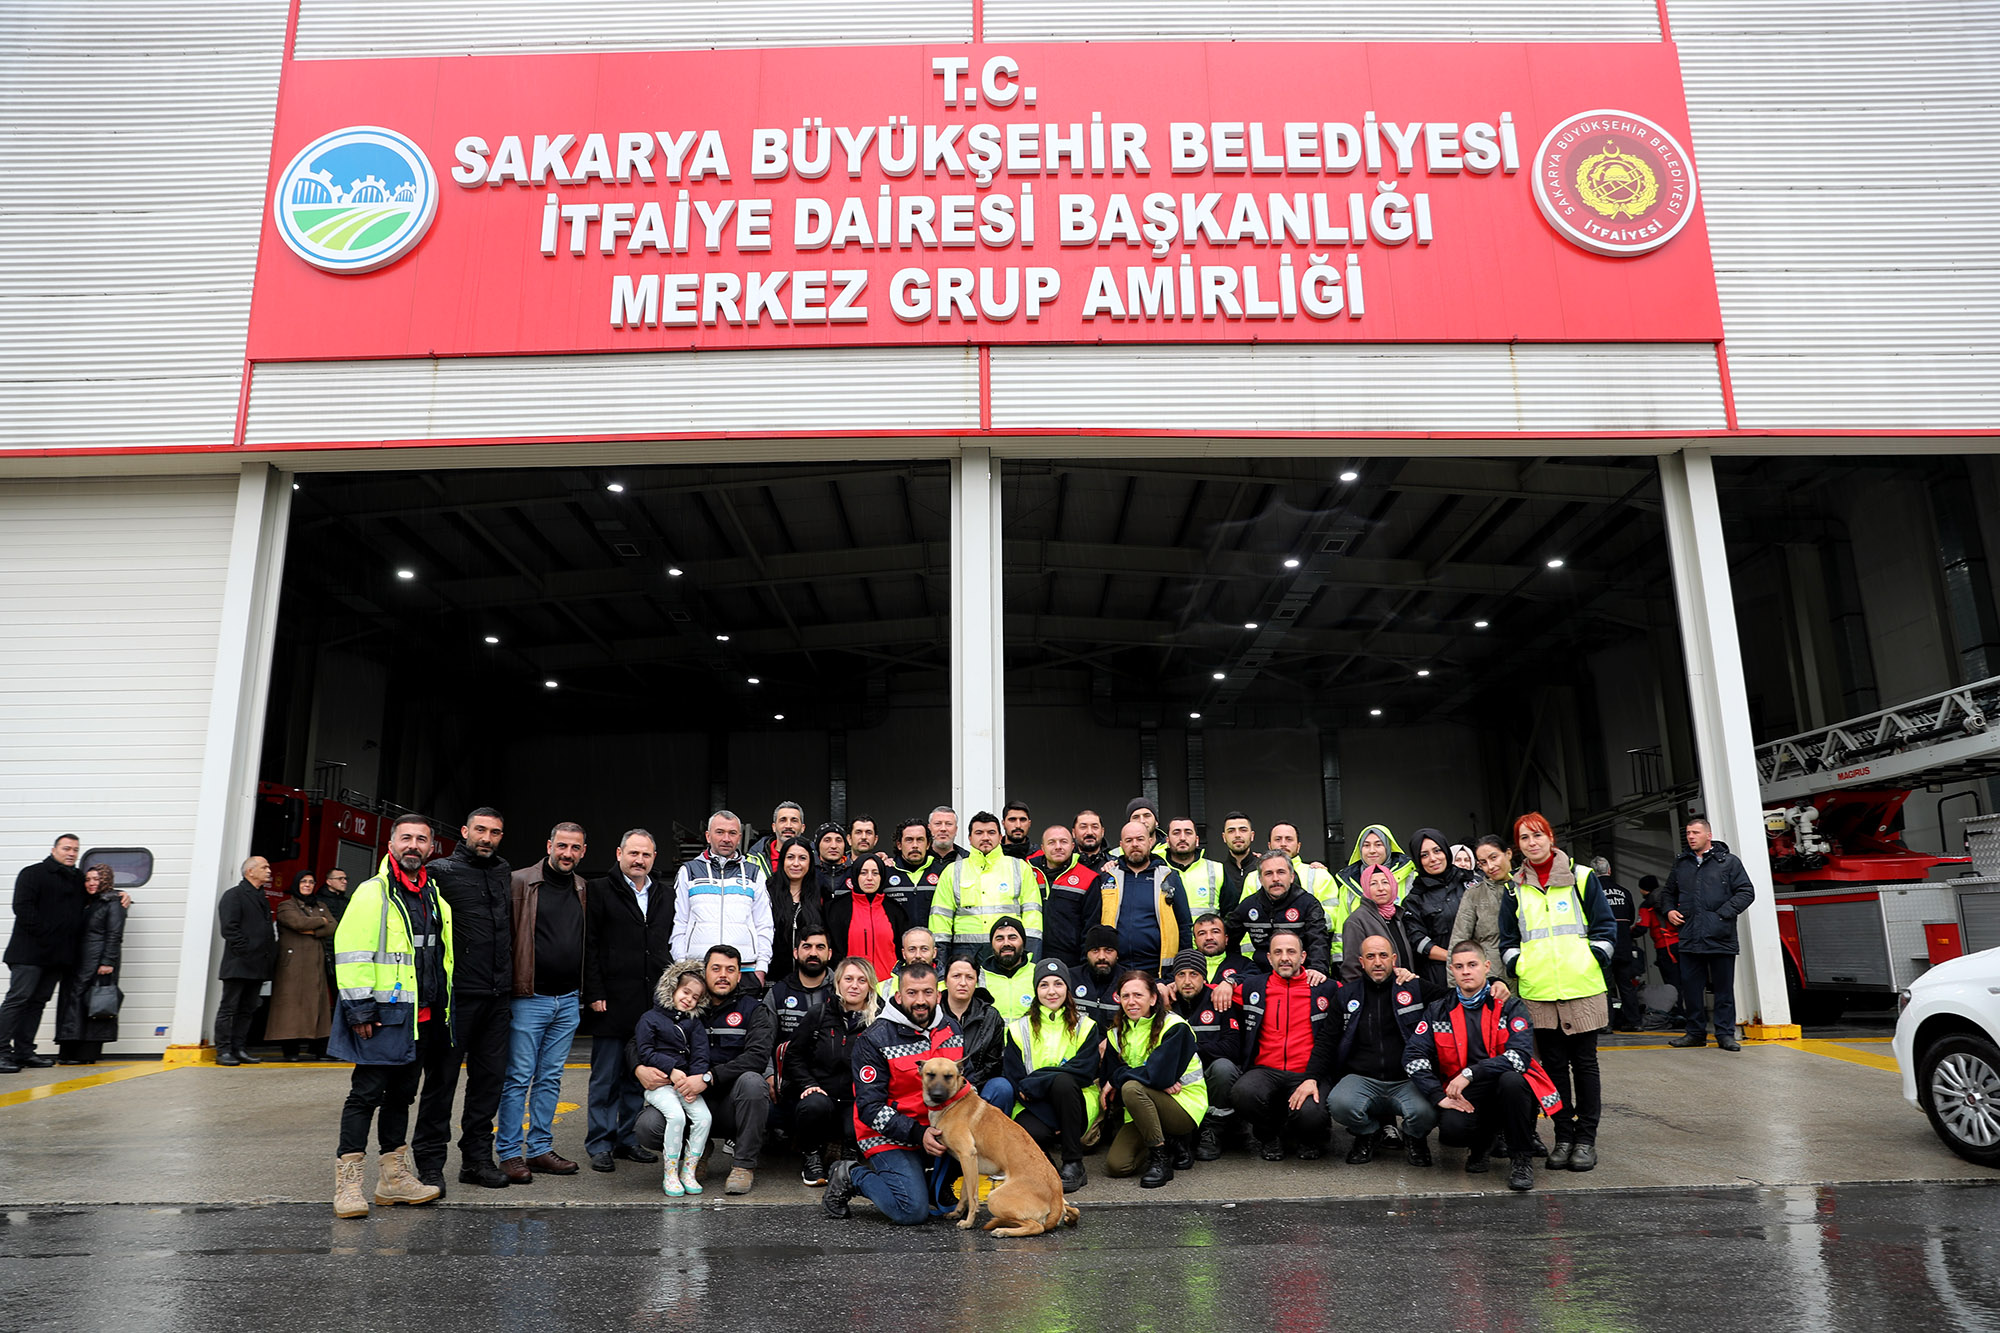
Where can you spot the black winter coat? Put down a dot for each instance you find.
(667, 1040)
(48, 915)
(625, 952)
(249, 935)
(984, 1034)
(103, 946)
(822, 1054)
(789, 920)
(480, 891)
(1431, 905)
(1711, 894)
(1259, 914)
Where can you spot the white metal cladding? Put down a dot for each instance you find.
(111, 601)
(1852, 190)
(521, 397)
(333, 29)
(1322, 21)
(137, 141)
(1360, 387)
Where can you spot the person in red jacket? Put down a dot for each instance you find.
(892, 1125)
(1288, 1046)
(1666, 939)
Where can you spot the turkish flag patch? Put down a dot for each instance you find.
(867, 1074)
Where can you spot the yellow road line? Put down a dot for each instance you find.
(115, 1074)
(1834, 1050)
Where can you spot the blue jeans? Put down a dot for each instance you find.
(615, 1098)
(1362, 1105)
(894, 1182)
(544, 1026)
(998, 1092)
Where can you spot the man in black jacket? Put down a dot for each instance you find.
(1379, 1011)
(1705, 893)
(477, 883)
(741, 1036)
(48, 929)
(1281, 903)
(1218, 1040)
(629, 926)
(249, 959)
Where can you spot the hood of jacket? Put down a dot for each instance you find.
(1397, 856)
(663, 992)
(1687, 854)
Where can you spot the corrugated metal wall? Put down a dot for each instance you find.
(1321, 21)
(1847, 161)
(111, 596)
(1380, 387)
(856, 389)
(136, 143)
(331, 29)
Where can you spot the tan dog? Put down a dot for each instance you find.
(985, 1140)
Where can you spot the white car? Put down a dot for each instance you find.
(1948, 1048)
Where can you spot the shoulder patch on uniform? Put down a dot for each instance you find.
(1422, 1028)
(791, 1002)
(1520, 1025)
(1352, 1005)
(1322, 1004)
(1291, 914)
(866, 1074)
(1208, 1015)
(734, 1019)
(1253, 914)
(1402, 997)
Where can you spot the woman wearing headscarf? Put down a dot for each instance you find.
(795, 902)
(1376, 846)
(1557, 931)
(863, 921)
(1376, 914)
(1461, 856)
(1431, 904)
(81, 1036)
(301, 1005)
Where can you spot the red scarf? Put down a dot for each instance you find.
(1453, 1043)
(423, 880)
(869, 934)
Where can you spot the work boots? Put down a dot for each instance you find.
(1523, 1175)
(396, 1183)
(1363, 1150)
(1208, 1143)
(1416, 1149)
(1159, 1167)
(482, 1170)
(225, 1054)
(348, 1200)
(1183, 1146)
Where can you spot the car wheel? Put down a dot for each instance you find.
(1960, 1078)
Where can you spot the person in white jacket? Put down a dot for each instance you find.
(719, 898)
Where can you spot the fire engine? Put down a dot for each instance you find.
(299, 830)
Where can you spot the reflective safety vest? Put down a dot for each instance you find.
(1201, 880)
(978, 889)
(1133, 1049)
(1011, 996)
(1556, 961)
(1112, 895)
(1051, 1045)
(374, 957)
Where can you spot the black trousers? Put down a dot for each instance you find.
(1263, 1096)
(1700, 974)
(482, 1031)
(28, 991)
(1503, 1108)
(383, 1093)
(236, 1011)
(1058, 1120)
(818, 1120)
(1570, 1060)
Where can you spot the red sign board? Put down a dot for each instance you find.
(1179, 192)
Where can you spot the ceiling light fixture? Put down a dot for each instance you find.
(1195, 716)
(493, 638)
(1292, 563)
(777, 717)
(722, 638)
(1423, 671)
(1350, 476)
(1249, 624)
(1374, 712)
(1481, 624)
(1555, 562)
(756, 681)
(1222, 675)
(295, 485)
(616, 488)
(673, 571)
(548, 684)
(406, 574)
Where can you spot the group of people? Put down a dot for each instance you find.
(67, 944)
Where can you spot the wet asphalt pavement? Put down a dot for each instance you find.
(1916, 1256)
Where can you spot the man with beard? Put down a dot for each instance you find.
(1086, 834)
(1379, 1010)
(892, 1123)
(791, 1000)
(1065, 880)
(787, 821)
(1239, 860)
(830, 861)
(1007, 971)
(741, 1036)
(914, 859)
(549, 903)
(943, 826)
(1140, 897)
(1279, 903)
(478, 884)
(393, 970)
(1211, 946)
(1091, 984)
(980, 887)
(1218, 1037)
(862, 835)
(1289, 1040)
(1201, 878)
(918, 945)
(1017, 830)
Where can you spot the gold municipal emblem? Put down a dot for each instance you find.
(1613, 182)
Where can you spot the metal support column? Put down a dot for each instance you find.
(227, 798)
(1720, 708)
(978, 641)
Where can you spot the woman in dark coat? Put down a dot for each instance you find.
(82, 1037)
(301, 1005)
(795, 902)
(819, 1068)
(1431, 903)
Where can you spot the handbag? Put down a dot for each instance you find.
(103, 1000)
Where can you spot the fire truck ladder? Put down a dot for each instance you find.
(1947, 737)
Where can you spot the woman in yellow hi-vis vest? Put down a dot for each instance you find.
(1052, 1060)
(1152, 1067)
(1556, 934)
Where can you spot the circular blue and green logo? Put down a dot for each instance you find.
(356, 199)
